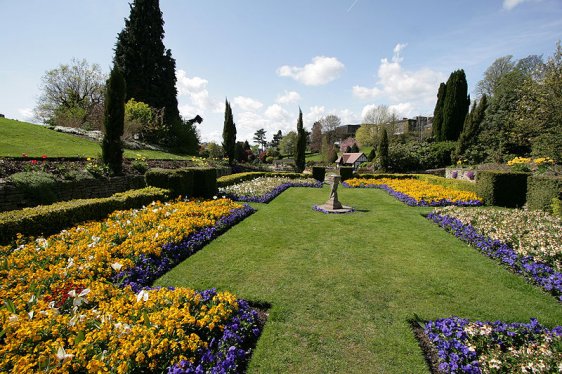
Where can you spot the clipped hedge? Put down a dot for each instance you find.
(346, 172)
(319, 173)
(178, 181)
(229, 180)
(542, 190)
(49, 219)
(502, 188)
(204, 182)
(38, 187)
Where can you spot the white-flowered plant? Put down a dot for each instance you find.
(529, 233)
(260, 186)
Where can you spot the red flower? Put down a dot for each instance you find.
(33, 162)
(44, 157)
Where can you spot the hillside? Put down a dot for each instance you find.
(17, 138)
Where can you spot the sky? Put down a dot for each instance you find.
(270, 58)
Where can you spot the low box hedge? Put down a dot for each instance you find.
(178, 181)
(49, 219)
(542, 191)
(229, 180)
(502, 188)
(346, 172)
(319, 173)
(204, 182)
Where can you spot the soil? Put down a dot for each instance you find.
(428, 349)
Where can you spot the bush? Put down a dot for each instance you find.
(541, 190)
(507, 189)
(346, 172)
(204, 182)
(319, 173)
(178, 181)
(38, 187)
(49, 219)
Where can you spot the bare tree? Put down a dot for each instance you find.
(329, 125)
(378, 115)
(493, 74)
(72, 94)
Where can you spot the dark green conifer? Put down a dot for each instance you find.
(438, 112)
(149, 69)
(229, 134)
(114, 119)
(382, 151)
(301, 145)
(455, 106)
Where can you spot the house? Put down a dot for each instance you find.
(351, 159)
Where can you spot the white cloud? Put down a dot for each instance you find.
(26, 114)
(314, 114)
(288, 97)
(403, 110)
(321, 71)
(193, 96)
(510, 4)
(409, 90)
(246, 103)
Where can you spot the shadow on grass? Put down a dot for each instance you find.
(429, 352)
(262, 309)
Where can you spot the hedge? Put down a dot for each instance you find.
(49, 219)
(229, 180)
(178, 181)
(346, 172)
(204, 182)
(501, 188)
(542, 190)
(319, 173)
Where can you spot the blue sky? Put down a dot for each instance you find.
(270, 57)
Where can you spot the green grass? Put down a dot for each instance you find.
(343, 287)
(18, 137)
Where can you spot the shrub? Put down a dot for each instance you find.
(507, 189)
(178, 181)
(204, 182)
(346, 172)
(229, 180)
(38, 187)
(48, 219)
(319, 173)
(541, 191)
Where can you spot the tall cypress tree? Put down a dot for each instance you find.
(114, 119)
(471, 127)
(148, 68)
(229, 134)
(455, 106)
(301, 145)
(438, 112)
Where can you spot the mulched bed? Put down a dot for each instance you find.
(428, 349)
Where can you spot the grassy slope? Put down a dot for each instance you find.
(17, 138)
(343, 287)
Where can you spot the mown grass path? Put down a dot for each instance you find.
(343, 287)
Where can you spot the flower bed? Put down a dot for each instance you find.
(62, 314)
(265, 189)
(415, 192)
(527, 242)
(495, 347)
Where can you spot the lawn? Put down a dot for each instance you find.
(18, 137)
(343, 288)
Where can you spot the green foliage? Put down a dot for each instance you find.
(319, 173)
(300, 148)
(229, 180)
(180, 181)
(48, 219)
(542, 190)
(471, 127)
(38, 187)
(112, 148)
(204, 182)
(145, 121)
(139, 164)
(438, 112)
(148, 68)
(229, 134)
(556, 206)
(346, 172)
(184, 137)
(371, 156)
(288, 143)
(507, 189)
(455, 106)
(382, 151)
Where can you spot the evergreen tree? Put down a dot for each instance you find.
(114, 120)
(229, 134)
(455, 106)
(276, 139)
(301, 145)
(382, 151)
(148, 68)
(371, 155)
(438, 112)
(471, 127)
(259, 138)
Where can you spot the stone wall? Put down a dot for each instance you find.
(12, 198)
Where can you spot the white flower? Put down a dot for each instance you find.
(79, 298)
(116, 266)
(13, 318)
(62, 355)
(142, 295)
(30, 314)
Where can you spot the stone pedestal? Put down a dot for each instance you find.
(333, 205)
